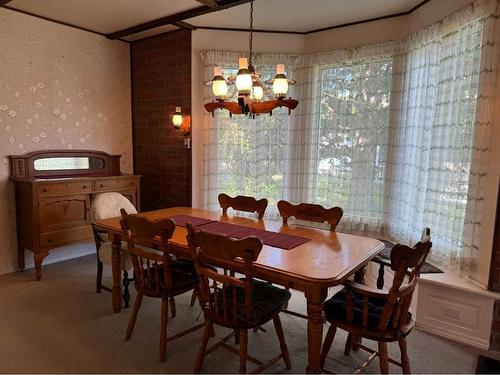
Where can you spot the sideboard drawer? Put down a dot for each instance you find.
(68, 188)
(66, 236)
(114, 184)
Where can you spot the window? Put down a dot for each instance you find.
(251, 152)
(354, 120)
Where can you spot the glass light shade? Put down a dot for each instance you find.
(243, 77)
(257, 92)
(177, 118)
(280, 82)
(219, 87)
(244, 81)
(280, 86)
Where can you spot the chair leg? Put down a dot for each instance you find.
(281, 337)
(236, 337)
(243, 350)
(98, 283)
(133, 316)
(330, 335)
(405, 362)
(126, 293)
(163, 329)
(285, 306)
(203, 347)
(382, 352)
(193, 298)
(348, 344)
(356, 340)
(173, 310)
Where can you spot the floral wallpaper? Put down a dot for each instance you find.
(60, 88)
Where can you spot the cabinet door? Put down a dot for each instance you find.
(63, 212)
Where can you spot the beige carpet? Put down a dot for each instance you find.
(61, 325)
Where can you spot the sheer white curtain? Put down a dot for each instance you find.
(241, 155)
(436, 129)
(397, 134)
(341, 132)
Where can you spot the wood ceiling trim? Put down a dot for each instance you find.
(177, 17)
(4, 2)
(55, 21)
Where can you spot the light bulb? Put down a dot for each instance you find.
(280, 82)
(243, 78)
(177, 118)
(219, 85)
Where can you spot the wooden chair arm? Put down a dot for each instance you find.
(365, 289)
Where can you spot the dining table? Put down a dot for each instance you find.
(324, 259)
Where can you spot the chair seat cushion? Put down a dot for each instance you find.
(105, 255)
(266, 300)
(335, 310)
(183, 276)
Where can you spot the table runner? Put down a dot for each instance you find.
(182, 220)
(279, 240)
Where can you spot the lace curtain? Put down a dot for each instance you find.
(437, 130)
(342, 126)
(241, 155)
(397, 134)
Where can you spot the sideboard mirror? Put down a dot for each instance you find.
(65, 163)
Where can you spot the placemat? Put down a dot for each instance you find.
(280, 240)
(182, 220)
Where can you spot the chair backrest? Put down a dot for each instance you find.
(310, 212)
(406, 262)
(152, 269)
(106, 205)
(243, 203)
(224, 298)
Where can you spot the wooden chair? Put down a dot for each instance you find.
(236, 303)
(106, 205)
(377, 313)
(243, 203)
(308, 212)
(157, 275)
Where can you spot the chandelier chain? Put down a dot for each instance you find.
(250, 37)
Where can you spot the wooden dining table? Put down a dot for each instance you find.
(327, 259)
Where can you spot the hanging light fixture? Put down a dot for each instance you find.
(249, 88)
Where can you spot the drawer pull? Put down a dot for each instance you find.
(84, 186)
(131, 182)
(100, 185)
(45, 190)
(49, 240)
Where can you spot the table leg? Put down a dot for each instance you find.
(116, 269)
(315, 298)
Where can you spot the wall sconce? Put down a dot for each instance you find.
(182, 124)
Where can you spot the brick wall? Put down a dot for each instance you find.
(161, 81)
(494, 281)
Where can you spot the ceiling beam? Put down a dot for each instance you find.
(177, 17)
(208, 3)
(4, 2)
(184, 25)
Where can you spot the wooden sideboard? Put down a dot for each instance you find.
(53, 206)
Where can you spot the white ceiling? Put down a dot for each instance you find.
(107, 16)
(303, 15)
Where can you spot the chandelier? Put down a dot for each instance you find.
(254, 97)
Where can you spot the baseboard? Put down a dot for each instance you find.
(472, 341)
(55, 256)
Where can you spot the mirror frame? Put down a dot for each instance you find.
(23, 166)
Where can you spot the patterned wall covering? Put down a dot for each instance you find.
(60, 88)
